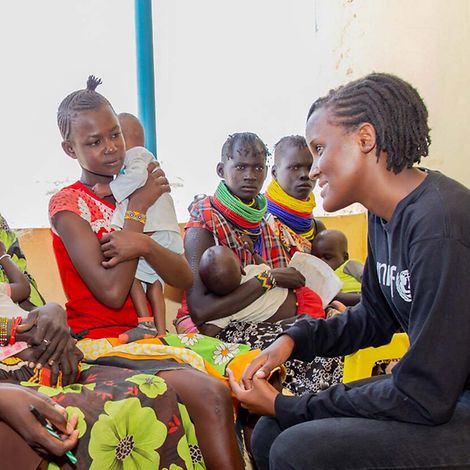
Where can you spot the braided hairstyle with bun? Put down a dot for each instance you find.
(392, 106)
(77, 101)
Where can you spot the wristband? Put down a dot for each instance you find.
(135, 216)
(5, 255)
(267, 280)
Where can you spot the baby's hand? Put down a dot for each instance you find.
(102, 190)
(248, 243)
(3, 249)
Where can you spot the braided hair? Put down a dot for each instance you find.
(80, 100)
(392, 106)
(248, 141)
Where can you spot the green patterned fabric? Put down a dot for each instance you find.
(10, 240)
(127, 420)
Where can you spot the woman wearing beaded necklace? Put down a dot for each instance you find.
(290, 197)
(236, 211)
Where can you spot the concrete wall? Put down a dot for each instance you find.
(426, 42)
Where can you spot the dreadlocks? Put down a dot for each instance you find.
(392, 106)
(80, 100)
(248, 141)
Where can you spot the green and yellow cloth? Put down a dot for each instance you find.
(12, 246)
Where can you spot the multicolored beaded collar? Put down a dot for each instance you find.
(292, 212)
(246, 217)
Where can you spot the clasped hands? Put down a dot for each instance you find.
(254, 391)
(48, 335)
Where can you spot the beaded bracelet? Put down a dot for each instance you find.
(3, 331)
(267, 280)
(14, 324)
(135, 216)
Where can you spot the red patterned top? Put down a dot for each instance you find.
(205, 215)
(83, 309)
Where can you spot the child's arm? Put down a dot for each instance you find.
(19, 283)
(349, 299)
(354, 269)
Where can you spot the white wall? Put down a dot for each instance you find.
(425, 42)
(221, 67)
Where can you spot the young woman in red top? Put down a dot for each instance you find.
(97, 266)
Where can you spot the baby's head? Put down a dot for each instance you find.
(220, 270)
(132, 130)
(90, 130)
(331, 246)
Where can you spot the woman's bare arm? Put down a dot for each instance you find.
(173, 268)
(110, 286)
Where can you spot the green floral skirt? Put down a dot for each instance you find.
(127, 420)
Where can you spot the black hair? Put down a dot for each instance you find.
(249, 140)
(80, 100)
(392, 106)
(297, 141)
(291, 141)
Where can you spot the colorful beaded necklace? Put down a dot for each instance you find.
(292, 212)
(246, 217)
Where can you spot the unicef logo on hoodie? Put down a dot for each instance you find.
(403, 285)
(390, 277)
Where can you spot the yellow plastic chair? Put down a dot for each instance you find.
(359, 364)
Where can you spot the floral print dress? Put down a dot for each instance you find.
(128, 419)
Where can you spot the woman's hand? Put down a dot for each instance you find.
(122, 245)
(15, 406)
(66, 365)
(154, 187)
(270, 358)
(48, 334)
(289, 278)
(258, 399)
